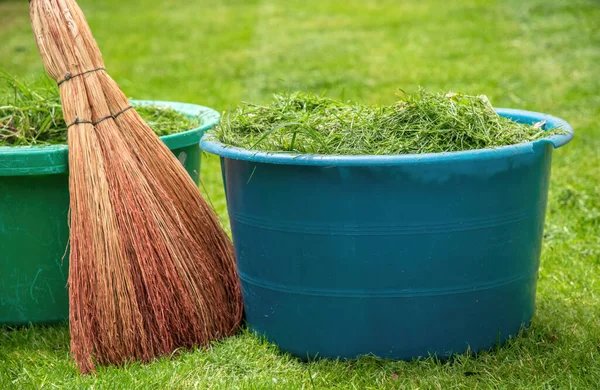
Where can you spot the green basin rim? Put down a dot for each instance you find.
(53, 159)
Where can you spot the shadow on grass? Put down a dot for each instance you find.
(544, 337)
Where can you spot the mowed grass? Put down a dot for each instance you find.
(529, 54)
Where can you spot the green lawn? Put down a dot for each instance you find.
(531, 54)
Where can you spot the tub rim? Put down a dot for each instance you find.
(53, 159)
(210, 144)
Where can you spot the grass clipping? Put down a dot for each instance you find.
(32, 115)
(424, 122)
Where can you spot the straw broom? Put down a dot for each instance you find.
(151, 269)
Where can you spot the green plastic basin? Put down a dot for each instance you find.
(34, 231)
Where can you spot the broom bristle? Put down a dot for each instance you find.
(151, 269)
(195, 213)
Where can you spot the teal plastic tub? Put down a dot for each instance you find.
(34, 232)
(399, 256)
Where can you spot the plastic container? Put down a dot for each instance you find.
(34, 232)
(398, 256)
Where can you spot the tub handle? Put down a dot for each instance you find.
(559, 140)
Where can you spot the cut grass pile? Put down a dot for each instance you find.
(33, 115)
(423, 122)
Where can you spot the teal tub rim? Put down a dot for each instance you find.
(210, 144)
(53, 159)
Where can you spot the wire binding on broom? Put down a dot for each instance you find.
(69, 76)
(77, 121)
